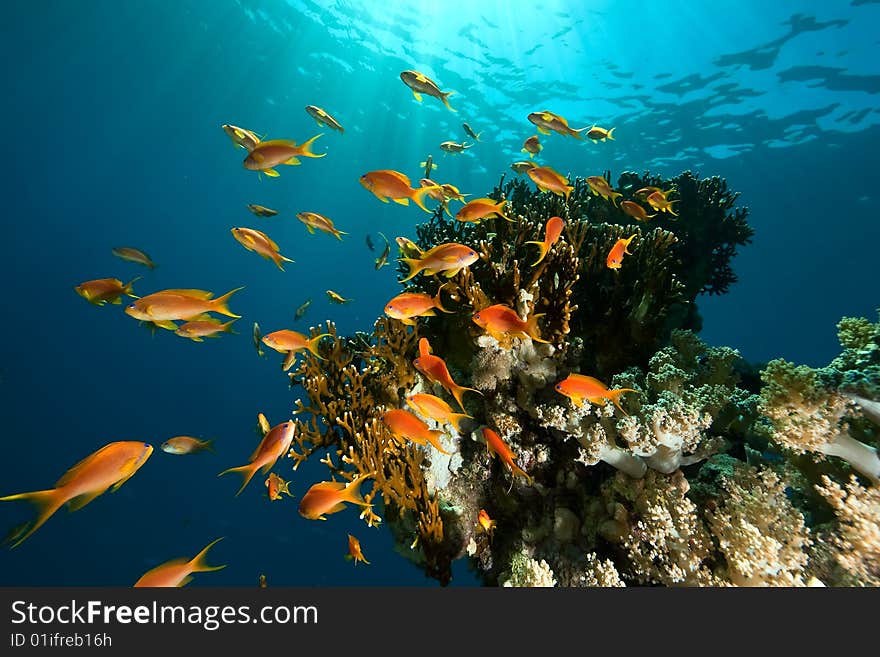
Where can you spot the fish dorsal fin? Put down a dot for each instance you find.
(277, 142)
(74, 471)
(193, 294)
(330, 485)
(271, 242)
(400, 176)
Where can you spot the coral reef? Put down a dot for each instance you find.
(686, 469)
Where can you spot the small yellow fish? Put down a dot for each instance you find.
(261, 210)
(186, 445)
(260, 243)
(313, 220)
(178, 572)
(242, 138)
(105, 290)
(454, 146)
(420, 84)
(600, 134)
(337, 298)
(275, 486)
(532, 146)
(301, 311)
(134, 255)
(354, 550)
(204, 327)
(323, 118)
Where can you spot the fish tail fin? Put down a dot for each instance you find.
(278, 259)
(47, 503)
(456, 418)
(129, 290)
(227, 327)
(434, 437)
(312, 345)
(415, 266)
(532, 328)
(614, 396)
(542, 250)
(338, 234)
(306, 148)
(418, 196)
(518, 470)
(352, 491)
(437, 301)
(198, 562)
(610, 133)
(671, 211)
(458, 392)
(444, 96)
(218, 305)
(248, 471)
(499, 209)
(477, 136)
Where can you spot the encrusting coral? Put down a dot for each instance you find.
(670, 475)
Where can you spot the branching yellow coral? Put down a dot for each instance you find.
(857, 538)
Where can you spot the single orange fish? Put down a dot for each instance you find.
(354, 550)
(435, 370)
(285, 341)
(600, 187)
(485, 523)
(178, 572)
(406, 426)
(329, 497)
(552, 231)
(497, 446)
(275, 486)
(578, 387)
(451, 192)
(436, 409)
(532, 146)
(268, 154)
(636, 211)
(112, 465)
(658, 201)
(548, 180)
(162, 308)
(615, 255)
(132, 254)
(502, 322)
(204, 327)
(186, 445)
(388, 184)
(273, 445)
(480, 208)
(313, 220)
(258, 242)
(404, 307)
(105, 290)
(449, 258)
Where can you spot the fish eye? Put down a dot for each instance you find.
(559, 386)
(472, 253)
(477, 316)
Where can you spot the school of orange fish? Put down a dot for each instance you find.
(187, 312)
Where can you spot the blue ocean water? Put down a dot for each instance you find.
(112, 115)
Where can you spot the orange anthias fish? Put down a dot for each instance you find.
(112, 465)
(497, 446)
(547, 121)
(273, 445)
(548, 180)
(449, 258)
(480, 208)
(186, 445)
(389, 184)
(404, 307)
(205, 327)
(658, 201)
(485, 524)
(260, 243)
(105, 290)
(178, 572)
(420, 83)
(532, 146)
(435, 370)
(636, 211)
(578, 387)
(132, 254)
(451, 193)
(552, 231)
(354, 550)
(502, 322)
(600, 187)
(285, 341)
(163, 308)
(275, 486)
(313, 220)
(268, 154)
(329, 497)
(406, 426)
(615, 255)
(436, 409)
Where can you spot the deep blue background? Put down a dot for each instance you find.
(111, 119)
